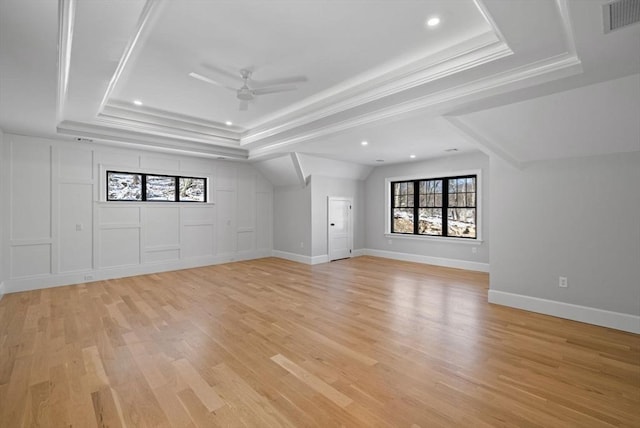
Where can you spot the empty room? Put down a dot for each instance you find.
(311, 213)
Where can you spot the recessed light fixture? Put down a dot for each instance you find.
(451, 150)
(412, 156)
(433, 21)
(380, 160)
(137, 102)
(228, 123)
(364, 143)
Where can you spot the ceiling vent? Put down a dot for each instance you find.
(620, 13)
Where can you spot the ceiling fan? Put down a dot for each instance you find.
(250, 88)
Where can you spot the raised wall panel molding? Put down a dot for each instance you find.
(66, 18)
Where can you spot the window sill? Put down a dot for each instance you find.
(446, 239)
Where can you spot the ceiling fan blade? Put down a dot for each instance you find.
(274, 89)
(211, 81)
(244, 105)
(221, 71)
(280, 81)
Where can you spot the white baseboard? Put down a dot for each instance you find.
(437, 261)
(307, 260)
(1, 290)
(56, 280)
(616, 320)
(315, 260)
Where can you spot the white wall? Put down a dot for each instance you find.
(3, 179)
(455, 253)
(58, 229)
(292, 223)
(323, 187)
(577, 218)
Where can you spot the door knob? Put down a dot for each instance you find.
(333, 224)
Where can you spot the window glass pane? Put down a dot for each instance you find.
(192, 189)
(471, 199)
(403, 188)
(452, 200)
(410, 188)
(410, 200)
(462, 200)
(452, 186)
(123, 186)
(423, 200)
(471, 184)
(438, 200)
(430, 221)
(402, 220)
(461, 184)
(423, 187)
(396, 188)
(161, 188)
(403, 201)
(438, 188)
(461, 222)
(396, 200)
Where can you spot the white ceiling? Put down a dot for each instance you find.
(514, 77)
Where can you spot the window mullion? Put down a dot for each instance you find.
(445, 206)
(416, 208)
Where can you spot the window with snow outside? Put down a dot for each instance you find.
(443, 206)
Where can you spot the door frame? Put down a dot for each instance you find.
(339, 198)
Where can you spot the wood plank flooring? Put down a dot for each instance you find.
(270, 343)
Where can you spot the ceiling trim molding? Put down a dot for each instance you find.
(123, 106)
(297, 165)
(466, 55)
(66, 19)
(160, 130)
(149, 10)
(529, 75)
(563, 8)
(482, 142)
(168, 126)
(142, 139)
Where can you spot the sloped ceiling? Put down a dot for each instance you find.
(373, 70)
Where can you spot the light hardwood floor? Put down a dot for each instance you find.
(268, 343)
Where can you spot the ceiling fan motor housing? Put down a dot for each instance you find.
(245, 94)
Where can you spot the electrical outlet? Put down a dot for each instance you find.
(563, 282)
(79, 227)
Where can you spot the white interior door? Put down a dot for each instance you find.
(340, 228)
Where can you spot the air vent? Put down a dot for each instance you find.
(620, 13)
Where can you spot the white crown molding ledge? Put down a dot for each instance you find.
(600, 317)
(365, 89)
(66, 18)
(130, 139)
(521, 77)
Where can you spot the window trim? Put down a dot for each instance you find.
(448, 174)
(103, 184)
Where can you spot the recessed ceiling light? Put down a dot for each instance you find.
(228, 123)
(451, 150)
(380, 160)
(412, 156)
(137, 102)
(365, 143)
(433, 21)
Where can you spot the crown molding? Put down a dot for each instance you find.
(66, 18)
(130, 138)
(485, 144)
(529, 75)
(365, 89)
(159, 124)
(150, 10)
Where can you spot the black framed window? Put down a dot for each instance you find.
(444, 206)
(138, 187)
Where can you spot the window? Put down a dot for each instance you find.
(443, 206)
(128, 186)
